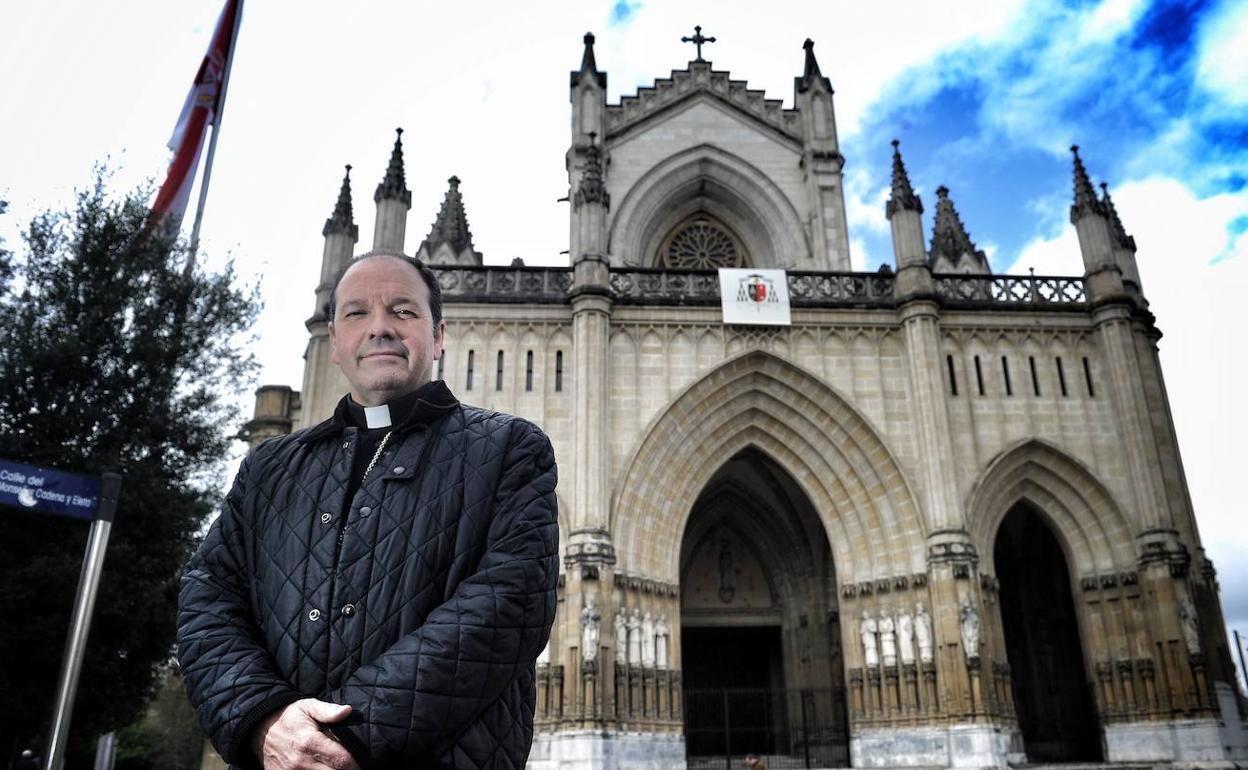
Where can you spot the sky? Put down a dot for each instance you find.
(986, 97)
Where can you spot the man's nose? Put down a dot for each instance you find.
(381, 325)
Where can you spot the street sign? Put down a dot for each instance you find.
(46, 490)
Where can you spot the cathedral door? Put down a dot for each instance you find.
(1052, 693)
(761, 662)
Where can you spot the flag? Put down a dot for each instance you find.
(198, 112)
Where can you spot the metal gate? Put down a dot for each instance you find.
(787, 728)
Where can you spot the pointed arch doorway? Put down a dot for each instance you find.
(1052, 692)
(760, 634)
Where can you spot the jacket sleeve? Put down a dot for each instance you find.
(439, 678)
(230, 678)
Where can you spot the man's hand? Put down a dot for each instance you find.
(294, 739)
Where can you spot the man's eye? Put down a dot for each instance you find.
(354, 313)
(404, 313)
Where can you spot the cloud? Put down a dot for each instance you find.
(623, 11)
(1222, 54)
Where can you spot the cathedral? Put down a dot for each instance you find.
(938, 519)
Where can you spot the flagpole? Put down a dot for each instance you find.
(212, 143)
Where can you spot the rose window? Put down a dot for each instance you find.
(701, 245)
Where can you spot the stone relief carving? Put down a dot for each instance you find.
(1191, 627)
(923, 632)
(634, 638)
(591, 619)
(888, 640)
(621, 637)
(647, 641)
(662, 637)
(905, 636)
(969, 621)
(867, 629)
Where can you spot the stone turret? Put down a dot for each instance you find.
(393, 201)
(341, 235)
(1096, 243)
(449, 241)
(952, 249)
(822, 162)
(588, 94)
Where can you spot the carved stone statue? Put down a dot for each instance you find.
(867, 629)
(634, 638)
(591, 619)
(905, 636)
(647, 641)
(923, 633)
(1190, 625)
(621, 637)
(888, 640)
(662, 636)
(969, 618)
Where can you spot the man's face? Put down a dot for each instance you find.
(382, 335)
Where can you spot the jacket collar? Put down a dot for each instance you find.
(425, 406)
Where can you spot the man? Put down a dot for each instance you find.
(377, 587)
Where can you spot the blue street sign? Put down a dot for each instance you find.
(48, 491)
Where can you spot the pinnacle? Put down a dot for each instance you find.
(811, 72)
(949, 236)
(589, 66)
(451, 224)
(903, 197)
(1085, 197)
(394, 185)
(342, 220)
(1115, 222)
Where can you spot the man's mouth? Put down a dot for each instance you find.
(384, 353)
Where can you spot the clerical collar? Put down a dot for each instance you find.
(422, 405)
(377, 416)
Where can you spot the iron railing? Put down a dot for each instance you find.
(788, 728)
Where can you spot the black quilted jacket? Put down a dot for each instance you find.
(422, 602)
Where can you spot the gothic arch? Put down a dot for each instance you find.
(756, 400)
(1092, 528)
(707, 178)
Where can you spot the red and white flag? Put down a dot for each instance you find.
(200, 110)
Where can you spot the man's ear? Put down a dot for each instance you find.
(439, 339)
(333, 344)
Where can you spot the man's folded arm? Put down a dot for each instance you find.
(433, 682)
(230, 677)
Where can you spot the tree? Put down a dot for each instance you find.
(114, 356)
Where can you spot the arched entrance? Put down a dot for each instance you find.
(1052, 692)
(759, 624)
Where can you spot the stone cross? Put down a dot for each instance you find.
(698, 40)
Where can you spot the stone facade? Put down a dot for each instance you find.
(842, 481)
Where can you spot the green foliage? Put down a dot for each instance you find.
(112, 357)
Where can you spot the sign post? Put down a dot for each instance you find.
(46, 490)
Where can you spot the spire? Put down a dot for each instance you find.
(591, 189)
(949, 236)
(903, 197)
(1085, 197)
(394, 185)
(1115, 223)
(811, 72)
(451, 226)
(341, 221)
(589, 66)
